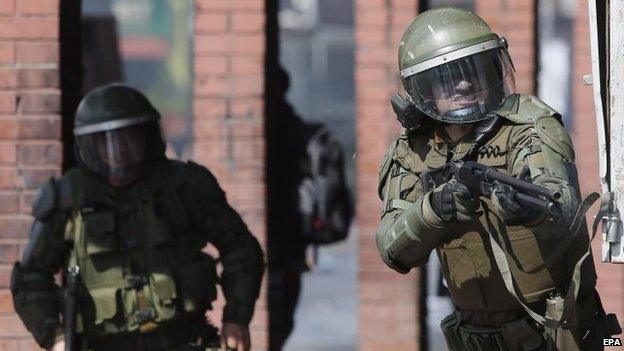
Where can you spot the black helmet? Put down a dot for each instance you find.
(117, 131)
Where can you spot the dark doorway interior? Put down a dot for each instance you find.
(70, 74)
(312, 290)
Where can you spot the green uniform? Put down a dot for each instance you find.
(529, 134)
(139, 250)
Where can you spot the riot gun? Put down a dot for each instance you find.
(72, 282)
(481, 179)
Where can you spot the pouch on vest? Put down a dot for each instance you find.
(462, 273)
(100, 232)
(104, 312)
(196, 281)
(163, 294)
(526, 251)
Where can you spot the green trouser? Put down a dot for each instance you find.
(518, 335)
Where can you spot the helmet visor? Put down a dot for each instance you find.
(464, 90)
(117, 152)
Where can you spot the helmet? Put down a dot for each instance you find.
(117, 131)
(453, 67)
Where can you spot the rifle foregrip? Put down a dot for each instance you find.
(521, 185)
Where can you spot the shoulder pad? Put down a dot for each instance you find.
(552, 133)
(409, 158)
(386, 164)
(55, 194)
(204, 180)
(525, 109)
(46, 200)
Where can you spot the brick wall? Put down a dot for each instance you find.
(228, 107)
(388, 311)
(514, 20)
(610, 276)
(30, 133)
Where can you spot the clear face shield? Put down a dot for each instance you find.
(118, 153)
(464, 90)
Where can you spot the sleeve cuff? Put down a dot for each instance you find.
(428, 215)
(237, 315)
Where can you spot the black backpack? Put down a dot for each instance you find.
(325, 204)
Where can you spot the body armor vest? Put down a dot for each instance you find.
(139, 253)
(473, 279)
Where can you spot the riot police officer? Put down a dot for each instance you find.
(459, 76)
(135, 224)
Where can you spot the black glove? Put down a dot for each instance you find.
(506, 205)
(454, 201)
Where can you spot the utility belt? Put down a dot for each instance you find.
(189, 334)
(518, 335)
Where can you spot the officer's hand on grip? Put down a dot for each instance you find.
(507, 207)
(235, 337)
(454, 201)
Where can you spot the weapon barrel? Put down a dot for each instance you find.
(522, 186)
(551, 208)
(73, 278)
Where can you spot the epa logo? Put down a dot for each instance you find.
(612, 342)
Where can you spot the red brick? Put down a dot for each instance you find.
(211, 86)
(40, 153)
(29, 344)
(9, 344)
(217, 65)
(8, 255)
(11, 327)
(26, 200)
(5, 276)
(37, 52)
(38, 7)
(8, 153)
(8, 78)
(38, 128)
(7, 52)
(15, 226)
(211, 5)
(38, 78)
(33, 177)
(209, 108)
(40, 102)
(9, 202)
(7, 103)
(211, 23)
(247, 66)
(247, 108)
(8, 178)
(371, 19)
(212, 44)
(247, 86)
(248, 43)
(29, 27)
(8, 128)
(7, 7)
(248, 22)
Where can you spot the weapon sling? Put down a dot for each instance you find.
(569, 309)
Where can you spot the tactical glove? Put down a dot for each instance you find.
(507, 207)
(454, 201)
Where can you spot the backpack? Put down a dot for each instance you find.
(325, 204)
